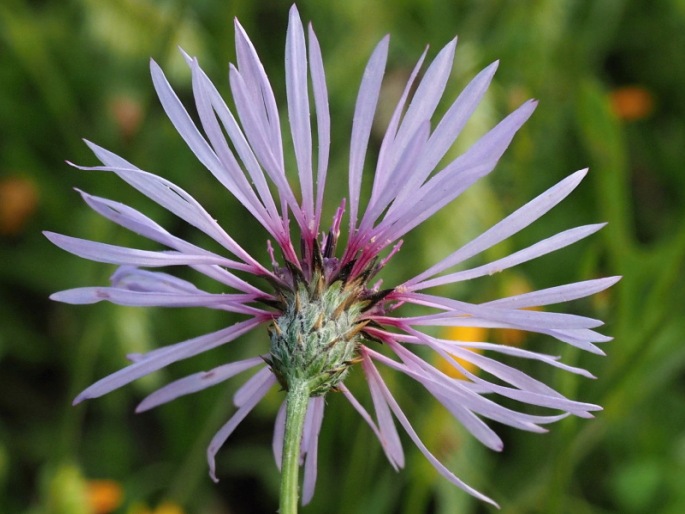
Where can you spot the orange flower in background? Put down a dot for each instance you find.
(104, 496)
(632, 103)
(127, 113)
(18, 201)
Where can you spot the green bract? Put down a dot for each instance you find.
(316, 339)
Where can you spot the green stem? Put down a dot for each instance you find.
(296, 409)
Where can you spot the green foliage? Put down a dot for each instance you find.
(78, 68)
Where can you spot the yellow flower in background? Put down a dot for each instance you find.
(515, 284)
(470, 334)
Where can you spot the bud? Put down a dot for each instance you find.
(316, 338)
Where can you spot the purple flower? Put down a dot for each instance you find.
(322, 306)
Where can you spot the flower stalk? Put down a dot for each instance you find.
(297, 400)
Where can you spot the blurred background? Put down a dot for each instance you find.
(610, 78)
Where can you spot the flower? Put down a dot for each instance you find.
(104, 495)
(323, 310)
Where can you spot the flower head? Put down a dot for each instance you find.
(323, 307)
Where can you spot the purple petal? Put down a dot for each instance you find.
(552, 360)
(388, 432)
(279, 434)
(118, 296)
(182, 122)
(526, 390)
(161, 357)
(298, 108)
(398, 176)
(551, 244)
(454, 179)
(196, 382)
(456, 312)
(427, 96)
(260, 91)
(453, 122)
(509, 226)
(244, 393)
(257, 393)
(362, 121)
(323, 119)
(464, 393)
(558, 294)
(208, 103)
(169, 196)
(137, 222)
(580, 338)
(136, 279)
(456, 406)
(256, 131)
(366, 417)
(103, 252)
(373, 375)
(316, 406)
(384, 166)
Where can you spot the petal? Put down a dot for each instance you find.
(209, 105)
(457, 312)
(298, 108)
(245, 392)
(136, 279)
(259, 391)
(526, 389)
(182, 122)
(279, 434)
(196, 382)
(362, 121)
(373, 375)
(454, 404)
(261, 92)
(385, 154)
(119, 296)
(558, 294)
(112, 254)
(316, 405)
(509, 226)
(366, 417)
(552, 360)
(161, 357)
(551, 244)
(464, 393)
(397, 177)
(427, 96)
(171, 197)
(390, 438)
(257, 132)
(454, 179)
(137, 222)
(452, 123)
(323, 119)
